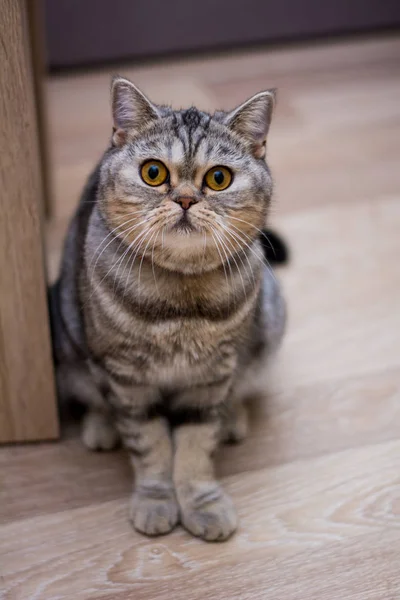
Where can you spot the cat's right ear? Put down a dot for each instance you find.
(251, 120)
(131, 110)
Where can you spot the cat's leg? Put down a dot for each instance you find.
(235, 422)
(206, 510)
(76, 382)
(154, 509)
(98, 431)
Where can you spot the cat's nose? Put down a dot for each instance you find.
(186, 201)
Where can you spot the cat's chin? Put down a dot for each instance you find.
(184, 238)
(187, 252)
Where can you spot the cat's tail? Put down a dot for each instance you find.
(275, 248)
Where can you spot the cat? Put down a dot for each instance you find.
(164, 310)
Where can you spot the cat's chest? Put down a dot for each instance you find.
(162, 349)
(187, 344)
(192, 337)
(171, 354)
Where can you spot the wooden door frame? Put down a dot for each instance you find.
(28, 409)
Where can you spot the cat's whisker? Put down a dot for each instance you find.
(131, 252)
(127, 233)
(235, 250)
(262, 258)
(160, 230)
(212, 225)
(152, 261)
(232, 256)
(226, 262)
(143, 255)
(254, 227)
(142, 241)
(120, 260)
(132, 244)
(223, 266)
(96, 287)
(204, 248)
(131, 267)
(235, 238)
(133, 215)
(107, 245)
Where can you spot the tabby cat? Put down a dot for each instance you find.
(164, 307)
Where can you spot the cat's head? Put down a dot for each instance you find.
(185, 188)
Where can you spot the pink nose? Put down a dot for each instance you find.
(186, 201)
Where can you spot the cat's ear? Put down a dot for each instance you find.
(131, 110)
(251, 120)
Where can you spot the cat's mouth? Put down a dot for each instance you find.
(184, 223)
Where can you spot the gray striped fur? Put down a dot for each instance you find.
(159, 324)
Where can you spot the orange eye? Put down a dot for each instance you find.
(218, 178)
(154, 172)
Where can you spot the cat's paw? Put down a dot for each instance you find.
(154, 511)
(209, 514)
(98, 433)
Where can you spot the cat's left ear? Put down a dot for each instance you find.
(131, 110)
(251, 120)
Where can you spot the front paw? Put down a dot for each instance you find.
(208, 513)
(154, 509)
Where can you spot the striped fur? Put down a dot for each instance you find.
(162, 314)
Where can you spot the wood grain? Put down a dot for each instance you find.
(36, 22)
(27, 401)
(308, 422)
(284, 515)
(317, 483)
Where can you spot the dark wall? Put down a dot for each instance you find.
(90, 31)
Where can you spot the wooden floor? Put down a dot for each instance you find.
(317, 484)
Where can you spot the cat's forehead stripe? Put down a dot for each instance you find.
(193, 128)
(180, 132)
(201, 136)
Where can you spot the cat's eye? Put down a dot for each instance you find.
(154, 172)
(218, 178)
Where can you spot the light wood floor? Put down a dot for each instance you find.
(317, 484)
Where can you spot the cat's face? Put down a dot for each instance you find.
(184, 188)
